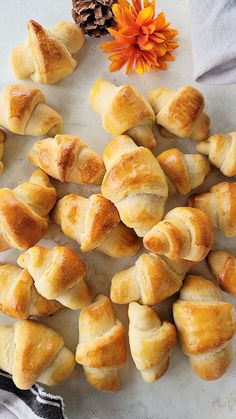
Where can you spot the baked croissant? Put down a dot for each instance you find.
(185, 233)
(19, 297)
(24, 212)
(123, 111)
(58, 274)
(68, 159)
(206, 325)
(221, 150)
(180, 112)
(135, 183)
(223, 266)
(151, 341)
(219, 204)
(184, 172)
(23, 111)
(32, 351)
(94, 223)
(150, 280)
(102, 345)
(2, 138)
(47, 55)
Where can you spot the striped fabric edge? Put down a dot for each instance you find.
(41, 403)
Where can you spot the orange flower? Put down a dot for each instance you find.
(142, 41)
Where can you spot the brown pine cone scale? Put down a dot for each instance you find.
(93, 17)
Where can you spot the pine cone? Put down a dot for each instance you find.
(93, 17)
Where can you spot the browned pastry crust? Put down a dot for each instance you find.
(152, 279)
(23, 111)
(185, 233)
(221, 150)
(31, 352)
(123, 111)
(102, 345)
(219, 205)
(206, 326)
(47, 56)
(24, 212)
(223, 266)
(181, 112)
(2, 138)
(135, 183)
(184, 172)
(59, 274)
(19, 297)
(68, 159)
(94, 223)
(151, 341)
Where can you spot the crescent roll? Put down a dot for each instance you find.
(2, 138)
(152, 279)
(223, 265)
(185, 233)
(58, 274)
(19, 297)
(94, 223)
(102, 345)
(184, 172)
(24, 212)
(135, 183)
(68, 159)
(23, 111)
(206, 326)
(221, 151)
(151, 341)
(47, 55)
(123, 111)
(180, 112)
(220, 205)
(31, 351)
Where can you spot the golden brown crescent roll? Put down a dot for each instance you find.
(206, 326)
(24, 212)
(220, 205)
(135, 183)
(102, 345)
(151, 279)
(68, 159)
(223, 266)
(184, 172)
(123, 111)
(180, 112)
(31, 352)
(150, 340)
(47, 55)
(19, 297)
(185, 233)
(94, 223)
(59, 274)
(23, 111)
(221, 150)
(2, 138)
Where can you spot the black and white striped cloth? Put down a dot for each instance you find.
(34, 403)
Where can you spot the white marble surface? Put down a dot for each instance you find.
(179, 393)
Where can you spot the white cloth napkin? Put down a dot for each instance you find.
(213, 25)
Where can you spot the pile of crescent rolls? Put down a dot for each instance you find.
(128, 213)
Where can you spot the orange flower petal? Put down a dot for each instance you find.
(161, 22)
(137, 5)
(144, 43)
(129, 31)
(117, 65)
(145, 16)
